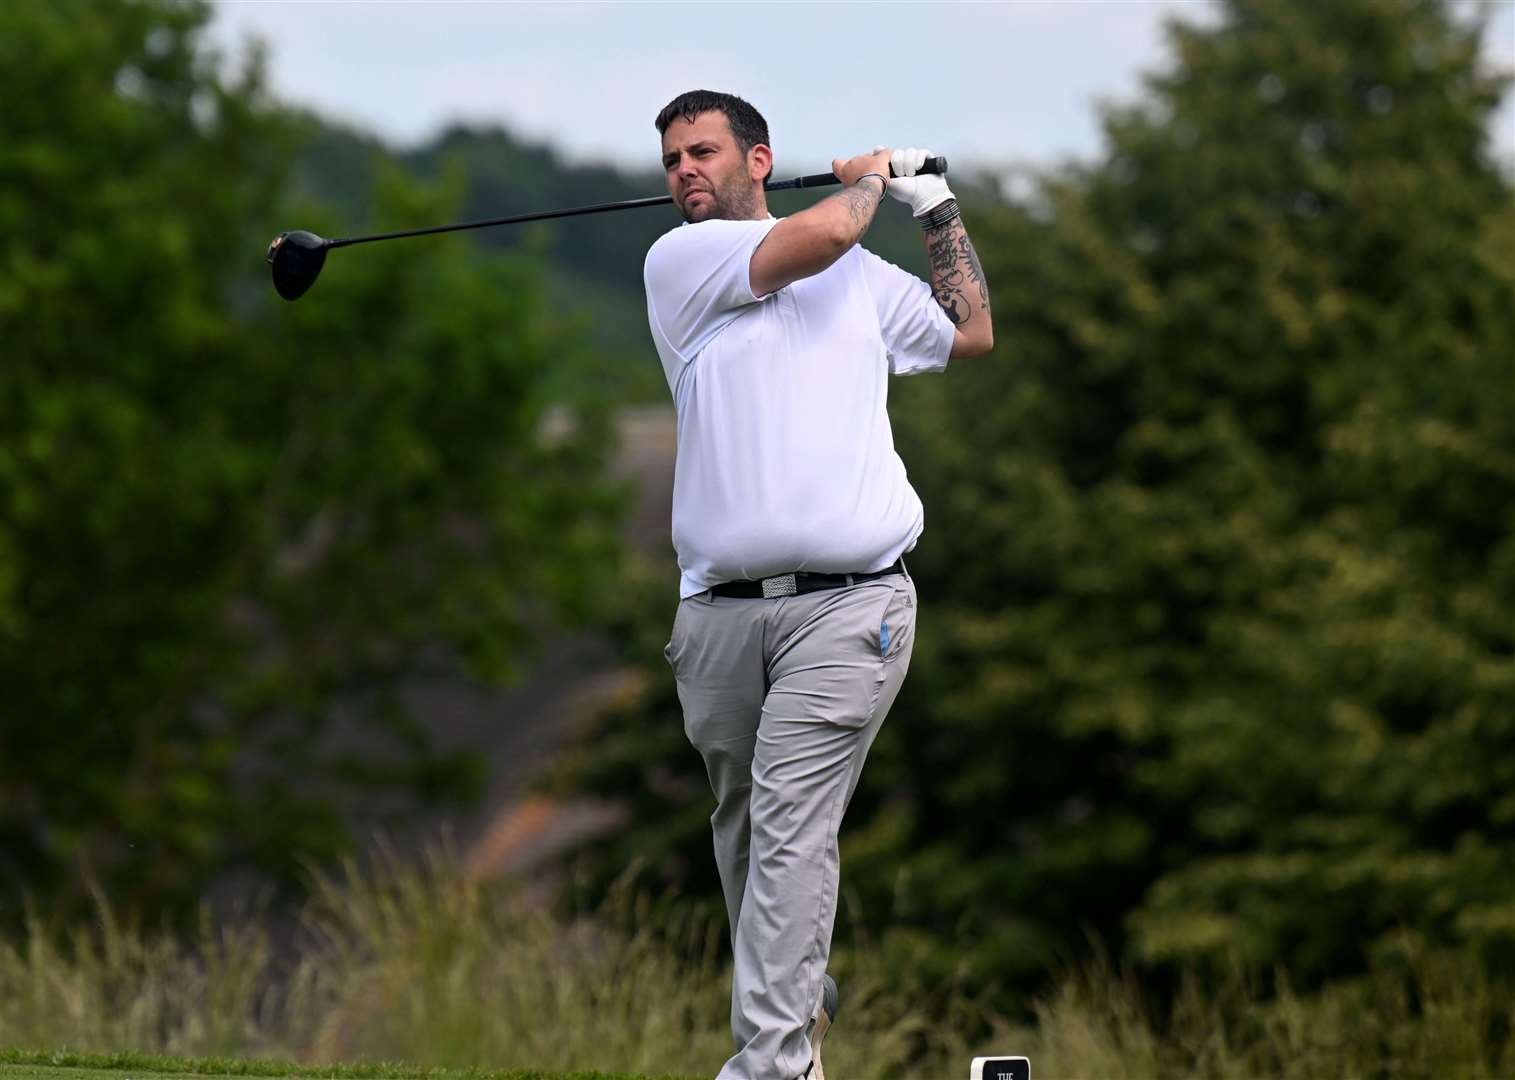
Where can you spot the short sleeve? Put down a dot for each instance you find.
(917, 334)
(698, 280)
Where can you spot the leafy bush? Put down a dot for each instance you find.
(234, 530)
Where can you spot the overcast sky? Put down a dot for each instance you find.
(989, 83)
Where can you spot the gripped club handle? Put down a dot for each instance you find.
(933, 165)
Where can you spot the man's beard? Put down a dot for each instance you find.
(734, 200)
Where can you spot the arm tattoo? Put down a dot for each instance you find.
(946, 278)
(955, 267)
(966, 254)
(861, 203)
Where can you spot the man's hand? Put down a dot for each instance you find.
(852, 170)
(922, 192)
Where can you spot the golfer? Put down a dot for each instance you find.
(791, 513)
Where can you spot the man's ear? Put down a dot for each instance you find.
(759, 162)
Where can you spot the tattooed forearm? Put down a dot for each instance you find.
(957, 278)
(861, 200)
(946, 278)
(965, 253)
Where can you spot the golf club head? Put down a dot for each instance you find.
(297, 258)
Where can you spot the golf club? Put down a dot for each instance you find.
(297, 256)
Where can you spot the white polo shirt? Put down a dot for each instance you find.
(785, 457)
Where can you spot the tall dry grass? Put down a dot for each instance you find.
(1421, 1014)
(419, 963)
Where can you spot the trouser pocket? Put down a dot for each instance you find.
(895, 634)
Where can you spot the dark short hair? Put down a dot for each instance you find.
(747, 124)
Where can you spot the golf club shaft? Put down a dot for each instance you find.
(936, 165)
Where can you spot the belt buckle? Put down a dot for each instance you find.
(783, 585)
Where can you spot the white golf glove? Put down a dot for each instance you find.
(923, 193)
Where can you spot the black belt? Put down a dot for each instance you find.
(798, 583)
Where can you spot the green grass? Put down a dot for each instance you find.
(53, 1065)
(462, 980)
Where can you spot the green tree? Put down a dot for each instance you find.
(1215, 654)
(1232, 525)
(232, 529)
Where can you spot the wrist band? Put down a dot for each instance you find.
(882, 179)
(941, 214)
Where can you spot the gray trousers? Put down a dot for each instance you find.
(782, 698)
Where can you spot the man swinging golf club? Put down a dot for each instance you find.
(791, 512)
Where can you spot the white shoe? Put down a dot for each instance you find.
(820, 1023)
